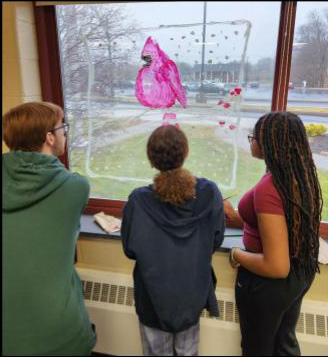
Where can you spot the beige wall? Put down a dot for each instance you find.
(20, 62)
(107, 255)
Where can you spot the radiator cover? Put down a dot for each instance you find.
(110, 303)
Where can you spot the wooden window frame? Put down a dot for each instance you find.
(51, 81)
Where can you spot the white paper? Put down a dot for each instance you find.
(108, 223)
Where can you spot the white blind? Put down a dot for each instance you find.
(48, 3)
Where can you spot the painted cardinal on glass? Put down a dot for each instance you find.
(158, 83)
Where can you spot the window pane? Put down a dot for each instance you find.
(308, 87)
(101, 48)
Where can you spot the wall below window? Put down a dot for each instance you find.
(20, 61)
(107, 255)
(107, 280)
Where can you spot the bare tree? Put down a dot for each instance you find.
(263, 70)
(115, 35)
(310, 62)
(186, 70)
(109, 34)
(108, 30)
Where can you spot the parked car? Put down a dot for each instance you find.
(228, 87)
(254, 84)
(185, 87)
(217, 88)
(125, 84)
(191, 86)
(211, 88)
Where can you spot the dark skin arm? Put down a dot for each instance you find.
(274, 262)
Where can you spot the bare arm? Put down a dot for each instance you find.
(233, 220)
(274, 261)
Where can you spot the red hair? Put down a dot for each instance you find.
(25, 127)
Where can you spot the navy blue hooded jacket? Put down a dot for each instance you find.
(173, 246)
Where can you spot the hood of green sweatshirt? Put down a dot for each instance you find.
(28, 177)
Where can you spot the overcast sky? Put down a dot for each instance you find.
(225, 42)
(264, 17)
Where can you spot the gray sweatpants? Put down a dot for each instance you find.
(160, 343)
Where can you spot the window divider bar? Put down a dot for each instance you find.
(49, 60)
(283, 55)
(323, 229)
(111, 207)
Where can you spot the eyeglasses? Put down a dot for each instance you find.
(65, 127)
(251, 138)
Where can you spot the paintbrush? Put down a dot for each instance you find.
(229, 197)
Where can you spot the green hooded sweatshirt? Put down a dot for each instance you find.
(43, 311)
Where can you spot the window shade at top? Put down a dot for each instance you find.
(51, 3)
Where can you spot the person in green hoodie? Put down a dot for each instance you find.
(43, 307)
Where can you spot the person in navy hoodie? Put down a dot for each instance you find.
(171, 229)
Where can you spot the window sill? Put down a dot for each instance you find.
(89, 228)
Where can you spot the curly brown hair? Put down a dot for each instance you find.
(167, 149)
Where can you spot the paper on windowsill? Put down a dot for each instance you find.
(323, 251)
(108, 223)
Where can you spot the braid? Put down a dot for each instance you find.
(288, 157)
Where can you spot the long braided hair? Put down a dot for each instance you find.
(287, 154)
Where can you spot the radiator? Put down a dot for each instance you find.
(110, 304)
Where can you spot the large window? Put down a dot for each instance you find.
(217, 47)
(308, 87)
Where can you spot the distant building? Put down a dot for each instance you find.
(219, 72)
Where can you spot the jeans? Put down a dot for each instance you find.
(160, 343)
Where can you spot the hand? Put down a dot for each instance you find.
(228, 209)
(233, 219)
(234, 264)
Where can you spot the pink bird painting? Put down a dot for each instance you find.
(158, 83)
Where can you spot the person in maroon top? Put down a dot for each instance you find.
(280, 216)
